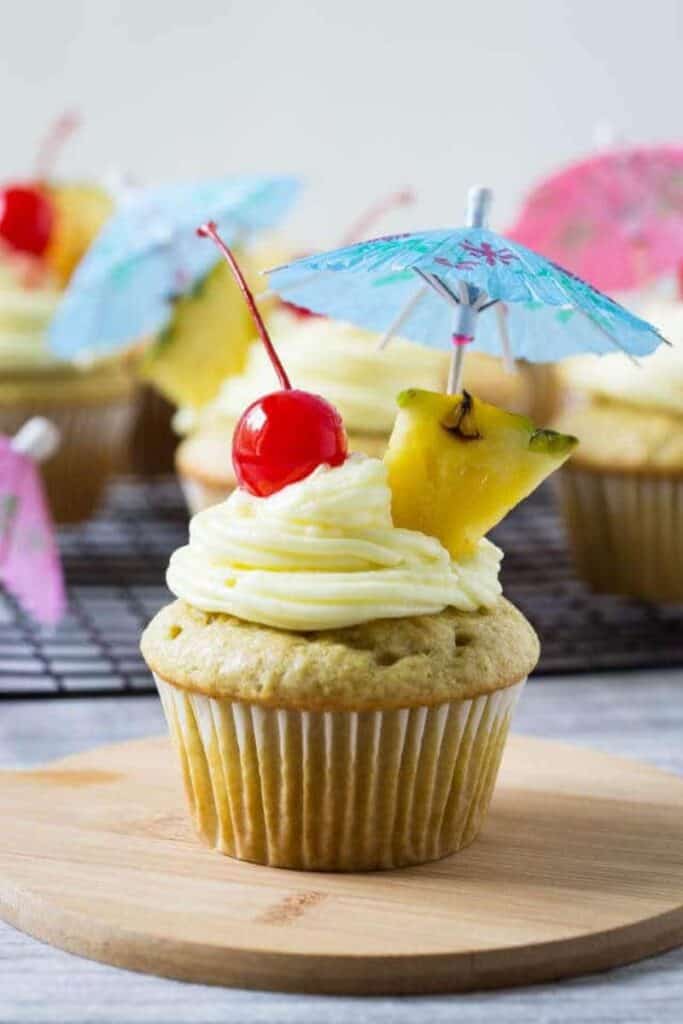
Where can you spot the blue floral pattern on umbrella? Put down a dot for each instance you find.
(551, 313)
(148, 251)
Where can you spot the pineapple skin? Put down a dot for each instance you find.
(457, 465)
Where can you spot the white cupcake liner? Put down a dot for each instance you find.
(626, 531)
(338, 790)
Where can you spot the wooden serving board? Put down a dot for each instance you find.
(579, 868)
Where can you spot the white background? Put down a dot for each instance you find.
(358, 97)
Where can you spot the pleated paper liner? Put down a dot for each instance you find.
(338, 790)
(94, 446)
(626, 532)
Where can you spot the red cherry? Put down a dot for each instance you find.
(26, 218)
(284, 436)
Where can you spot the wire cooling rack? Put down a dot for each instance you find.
(115, 570)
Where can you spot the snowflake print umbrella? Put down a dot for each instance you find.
(462, 286)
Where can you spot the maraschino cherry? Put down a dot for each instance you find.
(26, 212)
(26, 218)
(284, 436)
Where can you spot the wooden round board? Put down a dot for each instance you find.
(580, 867)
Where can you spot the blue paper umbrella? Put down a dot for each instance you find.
(148, 252)
(453, 287)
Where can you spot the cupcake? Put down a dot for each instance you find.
(45, 230)
(333, 359)
(339, 668)
(335, 707)
(91, 404)
(622, 492)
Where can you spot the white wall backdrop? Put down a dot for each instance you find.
(357, 96)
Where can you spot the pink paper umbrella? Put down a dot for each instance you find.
(30, 567)
(615, 219)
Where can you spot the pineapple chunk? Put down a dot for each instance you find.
(457, 465)
(80, 213)
(205, 341)
(209, 334)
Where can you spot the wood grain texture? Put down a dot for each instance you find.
(579, 868)
(634, 714)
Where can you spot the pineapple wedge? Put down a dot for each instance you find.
(206, 340)
(209, 333)
(457, 465)
(80, 212)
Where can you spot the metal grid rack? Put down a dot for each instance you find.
(115, 569)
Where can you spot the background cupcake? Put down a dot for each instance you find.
(622, 492)
(333, 359)
(46, 228)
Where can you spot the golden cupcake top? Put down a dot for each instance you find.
(618, 437)
(421, 660)
(628, 413)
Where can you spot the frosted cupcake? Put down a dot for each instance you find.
(622, 493)
(336, 360)
(339, 691)
(339, 669)
(90, 404)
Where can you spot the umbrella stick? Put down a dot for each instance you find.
(478, 203)
(455, 371)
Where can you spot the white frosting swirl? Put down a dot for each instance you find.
(323, 553)
(28, 300)
(654, 381)
(332, 359)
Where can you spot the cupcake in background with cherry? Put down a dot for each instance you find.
(46, 227)
(339, 668)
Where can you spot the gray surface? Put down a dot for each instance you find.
(639, 715)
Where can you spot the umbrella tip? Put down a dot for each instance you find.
(479, 199)
(39, 438)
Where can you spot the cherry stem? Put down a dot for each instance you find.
(360, 227)
(53, 143)
(210, 230)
